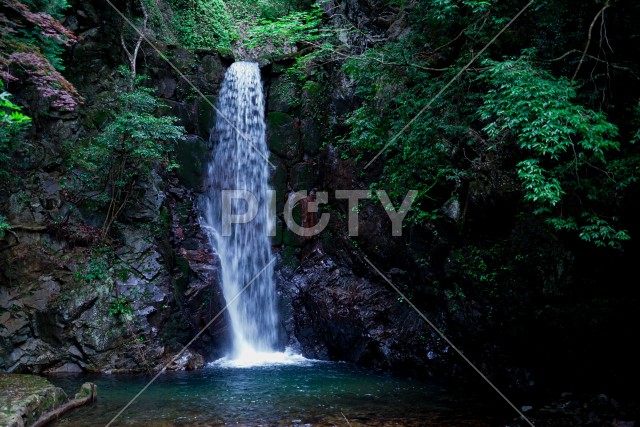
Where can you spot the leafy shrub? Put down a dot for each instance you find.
(12, 124)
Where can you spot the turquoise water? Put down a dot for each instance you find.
(313, 395)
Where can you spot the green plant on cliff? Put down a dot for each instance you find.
(4, 226)
(124, 153)
(288, 31)
(204, 24)
(32, 42)
(13, 123)
(503, 127)
(120, 307)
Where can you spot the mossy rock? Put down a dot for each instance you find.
(182, 58)
(283, 136)
(24, 398)
(289, 238)
(311, 137)
(191, 155)
(212, 69)
(277, 239)
(282, 93)
(312, 99)
(205, 106)
(289, 257)
(303, 176)
(278, 181)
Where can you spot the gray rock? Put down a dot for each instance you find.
(147, 207)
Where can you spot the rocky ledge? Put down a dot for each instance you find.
(30, 400)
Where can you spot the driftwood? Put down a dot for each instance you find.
(88, 393)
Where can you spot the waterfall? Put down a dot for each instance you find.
(239, 162)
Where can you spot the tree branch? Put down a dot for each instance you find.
(584, 53)
(616, 66)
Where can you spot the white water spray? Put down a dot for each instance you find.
(239, 163)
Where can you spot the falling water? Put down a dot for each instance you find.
(239, 162)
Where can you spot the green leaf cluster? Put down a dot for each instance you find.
(565, 146)
(13, 124)
(205, 24)
(285, 32)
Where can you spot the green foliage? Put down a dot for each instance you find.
(13, 123)
(471, 262)
(248, 10)
(94, 271)
(4, 225)
(132, 143)
(418, 158)
(205, 24)
(285, 32)
(564, 144)
(120, 307)
(54, 8)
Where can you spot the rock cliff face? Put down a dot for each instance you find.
(68, 304)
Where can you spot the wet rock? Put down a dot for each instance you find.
(192, 155)
(188, 361)
(211, 69)
(278, 182)
(303, 176)
(283, 136)
(206, 118)
(282, 93)
(338, 315)
(311, 137)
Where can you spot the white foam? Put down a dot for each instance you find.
(249, 358)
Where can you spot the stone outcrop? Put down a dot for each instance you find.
(24, 398)
(337, 314)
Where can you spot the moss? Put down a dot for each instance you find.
(205, 24)
(26, 397)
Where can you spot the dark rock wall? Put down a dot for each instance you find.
(57, 288)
